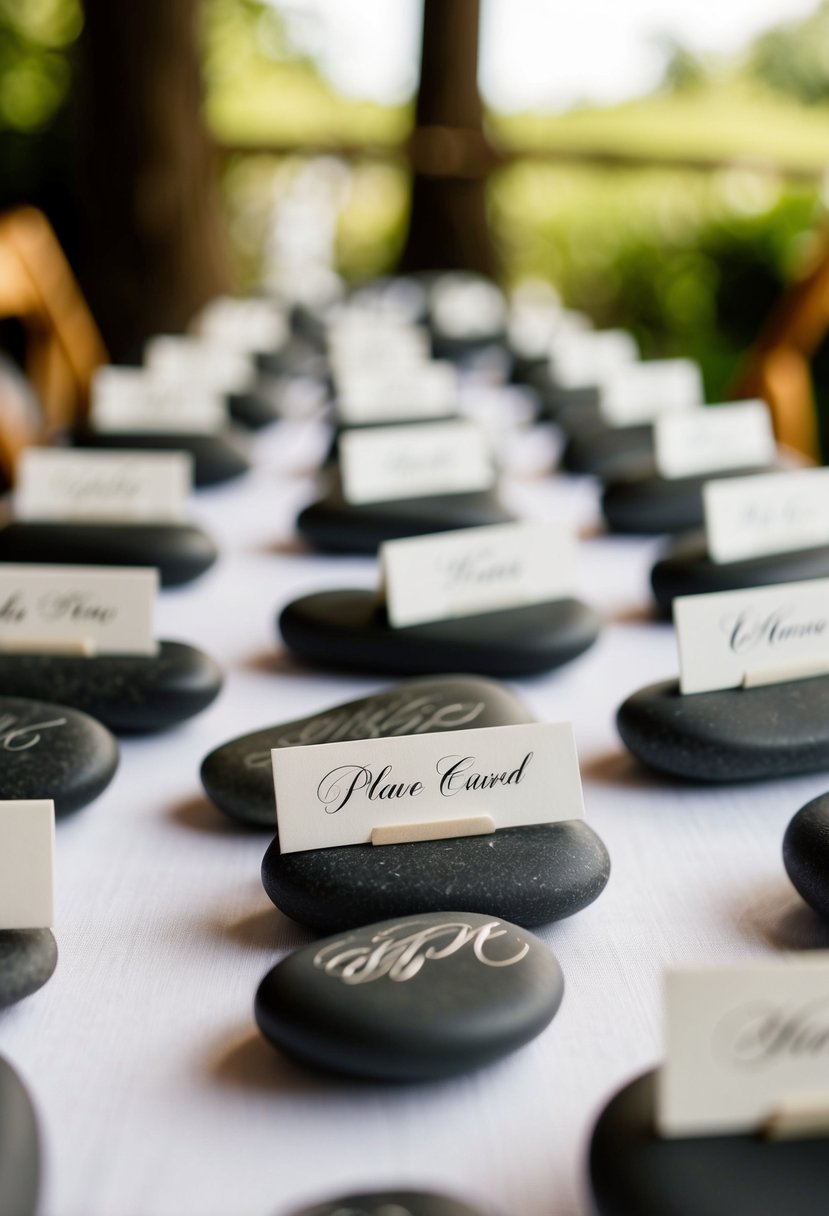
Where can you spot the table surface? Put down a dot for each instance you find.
(156, 1094)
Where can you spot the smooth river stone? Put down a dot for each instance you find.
(609, 452)
(252, 410)
(129, 693)
(392, 1203)
(415, 1000)
(216, 458)
(649, 504)
(181, 552)
(333, 525)
(686, 569)
(238, 777)
(347, 630)
(19, 1147)
(806, 853)
(735, 734)
(28, 958)
(52, 751)
(635, 1172)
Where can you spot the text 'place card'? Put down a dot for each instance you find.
(452, 574)
(66, 485)
(382, 464)
(135, 399)
(27, 847)
(760, 635)
(743, 1043)
(770, 513)
(332, 794)
(641, 392)
(64, 607)
(707, 440)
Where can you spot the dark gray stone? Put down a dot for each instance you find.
(412, 1000)
(806, 853)
(52, 751)
(634, 1172)
(180, 551)
(216, 458)
(253, 410)
(19, 1147)
(392, 1203)
(606, 451)
(28, 958)
(348, 630)
(648, 504)
(739, 734)
(130, 694)
(686, 569)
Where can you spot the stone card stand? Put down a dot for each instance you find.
(28, 951)
(686, 569)
(19, 1147)
(608, 452)
(351, 630)
(252, 410)
(634, 1172)
(648, 504)
(806, 853)
(181, 552)
(216, 458)
(392, 1203)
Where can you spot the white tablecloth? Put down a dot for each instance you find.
(157, 1095)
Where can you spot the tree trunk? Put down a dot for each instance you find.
(450, 153)
(153, 244)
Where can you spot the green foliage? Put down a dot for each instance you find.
(34, 64)
(793, 58)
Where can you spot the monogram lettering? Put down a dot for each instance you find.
(764, 1034)
(14, 738)
(749, 630)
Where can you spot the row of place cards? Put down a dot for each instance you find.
(384, 464)
(72, 485)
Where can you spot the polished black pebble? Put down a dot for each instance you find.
(52, 751)
(19, 1147)
(181, 552)
(734, 734)
(414, 999)
(608, 452)
(649, 504)
(128, 693)
(686, 569)
(392, 1203)
(806, 853)
(334, 525)
(348, 630)
(238, 776)
(252, 410)
(216, 458)
(635, 1172)
(28, 958)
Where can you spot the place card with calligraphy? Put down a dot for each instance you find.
(640, 392)
(383, 464)
(69, 485)
(748, 517)
(135, 399)
(186, 360)
(248, 325)
(696, 441)
(387, 394)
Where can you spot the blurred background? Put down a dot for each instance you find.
(664, 166)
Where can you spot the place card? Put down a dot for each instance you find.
(695, 441)
(744, 1044)
(186, 360)
(760, 635)
(332, 794)
(70, 485)
(639, 392)
(247, 325)
(27, 847)
(135, 399)
(388, 394)
(71, 609)
(383, 464)
(770, 513)
(474, 570)
(582, 359)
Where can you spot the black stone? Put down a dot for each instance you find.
(52, 751)
(635, 1172)
(333, 525)
(742, 734)
(806, 853)
(686, 569)
(238, 778)
(129, 693)
(180, 551)
(348, 630)
(19, 1147)
(412, 1000)
(28, 958)
(216, 458)
(252, 410)
(649, 504)
(608, 452)
(392, 1203)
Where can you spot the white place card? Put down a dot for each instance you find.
(697, 441)
(388, 394)
(27, 848)
(760, 635)
(640, 392)
(579, 360)
(770, 513)
(742, 1044)
(107, 610)
(68, 484)
(332, 794)
(185, 360)
(473, 570)
(382, 464)
(247, 325)
(137, 399)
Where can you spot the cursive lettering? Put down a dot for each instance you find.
(74, 606)
(336, 787)
(479, 567)
(748, 630)
(759, 1035)
(14, 738)
(83, 488)
(455, 775)
(12, 608)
